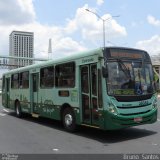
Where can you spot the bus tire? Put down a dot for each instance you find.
(69, 120)
(18, 110)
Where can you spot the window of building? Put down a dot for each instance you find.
(47, 77)
(65, 75)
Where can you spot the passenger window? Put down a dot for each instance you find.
(94, 79)
(47, 77)
(3, 83)
(24, 80)
(15, 81)
(85, 79)
(65, 75)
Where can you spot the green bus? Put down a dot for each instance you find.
(107, 88)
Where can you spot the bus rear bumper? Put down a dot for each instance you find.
(113, 122)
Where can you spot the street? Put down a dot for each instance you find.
(30, 135)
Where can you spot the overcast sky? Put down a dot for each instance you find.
(74, 29)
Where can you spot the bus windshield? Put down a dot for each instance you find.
(129, 78)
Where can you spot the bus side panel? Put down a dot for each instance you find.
(46, 104)
(71, 100)
(4, 102)
(50, 103)
(24, 99)
(3, 92)
(14, 95)
(6, 92)
(22, 96)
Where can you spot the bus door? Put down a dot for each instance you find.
(7, 92)
(35, 82)
(89, 94)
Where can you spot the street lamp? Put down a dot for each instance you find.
(103, 20)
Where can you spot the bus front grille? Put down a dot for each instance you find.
(130, 114)
(133, 98)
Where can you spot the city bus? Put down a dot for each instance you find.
(106, 88)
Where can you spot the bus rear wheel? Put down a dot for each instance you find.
(69, 120)
(18, 110)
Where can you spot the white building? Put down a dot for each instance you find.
(21, 45)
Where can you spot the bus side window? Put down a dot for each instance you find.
(94, 79)
(47, 77)
(15, 81)
(35, 83)
(65, 75)
(24, 80)
(99, 88)
(3, 83)
(85, 80)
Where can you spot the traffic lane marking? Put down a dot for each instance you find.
(1, 114)
(6, 110)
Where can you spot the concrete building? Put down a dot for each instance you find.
(21, 45)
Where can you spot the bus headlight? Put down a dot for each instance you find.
(112, 109)
(155, 104)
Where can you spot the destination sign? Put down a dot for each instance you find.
(120, 54)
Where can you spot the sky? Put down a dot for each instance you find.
(128, 23)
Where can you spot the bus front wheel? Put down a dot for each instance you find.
(69, 120)
(18, 110)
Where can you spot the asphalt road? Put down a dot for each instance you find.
(30, 135)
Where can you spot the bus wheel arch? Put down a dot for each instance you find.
(68, 118)
(18, 109)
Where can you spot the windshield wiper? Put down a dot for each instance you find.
(124, 68)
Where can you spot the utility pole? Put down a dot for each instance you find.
(103, 20)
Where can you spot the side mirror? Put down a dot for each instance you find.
(156, 86)
(105, 72)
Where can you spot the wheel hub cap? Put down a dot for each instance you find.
(68, 119)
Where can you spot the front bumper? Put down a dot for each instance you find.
(113, 122)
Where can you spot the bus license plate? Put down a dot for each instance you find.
(138, 119)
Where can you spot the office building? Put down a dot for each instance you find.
(21, 45)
